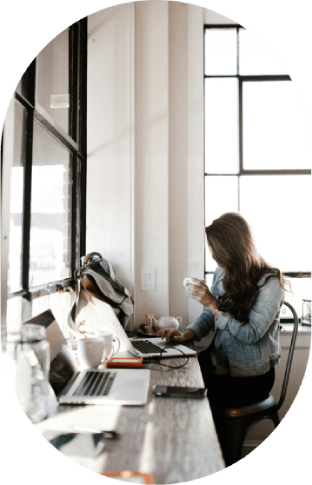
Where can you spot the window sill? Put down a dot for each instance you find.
(303, 336)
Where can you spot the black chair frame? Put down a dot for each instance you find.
(238, 421)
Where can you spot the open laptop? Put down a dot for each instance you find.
(145, 348)
(92, 386)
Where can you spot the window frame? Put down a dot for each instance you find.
(76, 142)
(241, 171)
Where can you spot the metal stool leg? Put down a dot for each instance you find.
(232, 434)
(275, 418)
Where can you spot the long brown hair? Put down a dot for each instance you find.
(232, 246)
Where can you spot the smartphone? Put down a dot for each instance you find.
(172, 391)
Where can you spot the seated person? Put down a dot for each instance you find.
(242, 307)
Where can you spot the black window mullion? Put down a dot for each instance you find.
(240, 126)
(73, 229)
(264, 78)
(27, 202)
(30, 80)
(82, 88)
(241, 171)
(73, 80)
(46, 120)
(83, 207)
(223, 26)
(237, 49)
(75, 142)
(82, 132)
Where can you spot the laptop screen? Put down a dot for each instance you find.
(62, 362)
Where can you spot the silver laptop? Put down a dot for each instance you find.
(102, 386)
(145, 348)
(94, 386)
(148, 348)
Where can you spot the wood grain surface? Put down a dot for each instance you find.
(173, 439)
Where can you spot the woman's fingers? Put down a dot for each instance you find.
(168, 333)
(199, 281)
(177, 338)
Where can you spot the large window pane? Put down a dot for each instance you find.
(275, 133)
(300, 288)
(255, 58)
(14, 313)
(50, 210)
(220, 52)
(17, 200)
(221, 195)
(21, 88)
(221, 126)
(279, 210)
(53, 79)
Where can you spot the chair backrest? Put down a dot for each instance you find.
(290, 355)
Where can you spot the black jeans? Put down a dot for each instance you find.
(233, 391)
(226, 391)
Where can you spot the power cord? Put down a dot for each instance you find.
(169, 366)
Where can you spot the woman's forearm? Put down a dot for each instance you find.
(189, 335)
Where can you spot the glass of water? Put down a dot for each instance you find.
(27, 360)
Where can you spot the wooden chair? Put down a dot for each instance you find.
(238, 421)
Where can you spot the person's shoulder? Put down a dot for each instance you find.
(269, 279)
(270, 283)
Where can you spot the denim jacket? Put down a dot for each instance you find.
(244, 350)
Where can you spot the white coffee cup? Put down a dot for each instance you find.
(73, 345)
(186, 282)
(109, 338)
(93, 351)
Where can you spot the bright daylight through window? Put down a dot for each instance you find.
(47, 206)
(256, 150)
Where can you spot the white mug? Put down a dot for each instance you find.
(109, 338)
(93, 351)
(186, 282)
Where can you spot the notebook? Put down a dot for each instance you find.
(94, 386)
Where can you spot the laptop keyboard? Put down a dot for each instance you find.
(95, 383)
(146, 347)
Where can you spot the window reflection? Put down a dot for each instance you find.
(14, 313)
(50, 210)
(17, 200)
(53, 79)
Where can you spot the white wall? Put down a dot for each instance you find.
(110, 138)
(145, 149)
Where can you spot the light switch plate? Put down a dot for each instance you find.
(148, 280)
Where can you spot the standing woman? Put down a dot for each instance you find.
(243, 308)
